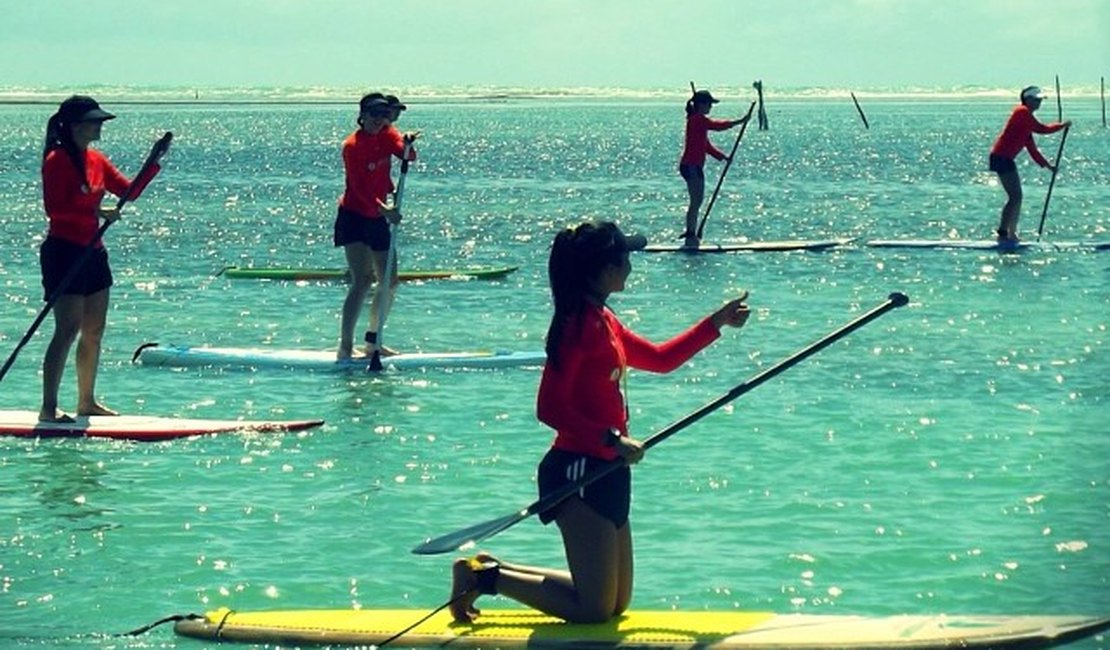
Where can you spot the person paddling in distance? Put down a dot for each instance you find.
(362, 224)
(1016, 135)
(581, 397)
(75, 178)
(692, 164)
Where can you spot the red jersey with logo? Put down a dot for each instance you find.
(1018, 134)
(582, 398)
(72, 202)
(367, 159)
(698, 145)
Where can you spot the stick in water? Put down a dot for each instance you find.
(151, 159)
(385, 283)
(1051, 183)
(470, 536)
(728, 163)
(1059, 105)
(861, 115)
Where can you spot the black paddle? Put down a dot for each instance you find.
(474, 534)
(385, 283)
(155, 153)
(1052, 183)
(728, 163)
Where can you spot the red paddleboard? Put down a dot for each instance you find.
(25, 424)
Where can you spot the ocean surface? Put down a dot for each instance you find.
(950, 457)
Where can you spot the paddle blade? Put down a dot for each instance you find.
(468, 537)
(375, 362)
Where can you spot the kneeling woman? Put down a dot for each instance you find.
(588, 353)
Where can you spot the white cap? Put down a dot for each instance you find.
(1032, 92)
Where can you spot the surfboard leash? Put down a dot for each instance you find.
(417, 624)
(169, 619)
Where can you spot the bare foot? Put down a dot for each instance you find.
(95, 409)
(348, 354)
(56, 417)
(385, 351)
(464, 591)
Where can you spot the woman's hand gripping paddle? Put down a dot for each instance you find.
(470, 536)
(385, 283)
(156, 152)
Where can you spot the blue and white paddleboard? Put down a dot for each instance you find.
(186, 356)
(988, 244)
(751, 246)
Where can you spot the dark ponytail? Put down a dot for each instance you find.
(567, 291)
(59, 136)
(578, 257)
(689, 107)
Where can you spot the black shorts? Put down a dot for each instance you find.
(1001, 164)
(56, 258)
(692, 172)
(609, 496)
(352, 227)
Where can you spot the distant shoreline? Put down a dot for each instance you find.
(478, 95)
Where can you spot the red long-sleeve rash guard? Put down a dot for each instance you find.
(698, 145)
(71, 202)
(582, 398)
(367, 159)
(1018, 134)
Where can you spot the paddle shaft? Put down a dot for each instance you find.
(728, 163)
(1052, 182)
(385, 282)
(465, 537)
(151, 159)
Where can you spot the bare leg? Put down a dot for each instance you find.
(696, 188)
(598, 585)
(360, 262)
(1011, 182)
(93, 320)
(67, 323)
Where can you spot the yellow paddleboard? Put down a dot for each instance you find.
(642, 629)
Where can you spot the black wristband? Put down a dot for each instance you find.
(612, 435)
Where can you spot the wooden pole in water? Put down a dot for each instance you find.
(1102, 86)
(861, 115)
(1059, 106)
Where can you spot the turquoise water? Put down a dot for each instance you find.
(950, 457)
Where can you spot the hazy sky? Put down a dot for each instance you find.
(629, 43)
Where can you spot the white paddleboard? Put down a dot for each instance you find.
(26, 424)
(751, 247)
(324, 360)
(987, 244)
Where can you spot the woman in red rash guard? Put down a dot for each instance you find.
(692, 164)
(74, 181)
(1015, 136)
(362, 222)
(581, 396)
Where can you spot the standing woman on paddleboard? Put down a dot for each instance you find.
(1015, 136)
(74, 180)
(581, 396)
(363, 219)
(692, 165)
